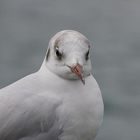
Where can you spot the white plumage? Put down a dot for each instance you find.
(62, 101)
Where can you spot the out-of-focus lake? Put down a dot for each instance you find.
(113, 27)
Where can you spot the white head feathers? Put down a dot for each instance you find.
(68, 55)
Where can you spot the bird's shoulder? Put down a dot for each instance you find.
(33, 110)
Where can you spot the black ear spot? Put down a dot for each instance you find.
(87, 55)
(48, 54)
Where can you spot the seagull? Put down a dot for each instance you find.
(61, 101)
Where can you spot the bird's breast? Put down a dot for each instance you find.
(81, 112)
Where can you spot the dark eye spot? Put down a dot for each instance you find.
(58, 54)
(87, 55)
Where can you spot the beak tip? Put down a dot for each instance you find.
(84, 83)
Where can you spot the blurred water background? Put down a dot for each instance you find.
(113, 26)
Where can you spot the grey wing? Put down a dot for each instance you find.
(53, 134)
(33, 118)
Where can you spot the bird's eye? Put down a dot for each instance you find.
(58, 54)
(87, 55)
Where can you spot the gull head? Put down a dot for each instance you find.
(68, 55)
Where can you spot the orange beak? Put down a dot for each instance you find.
(78, 70)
